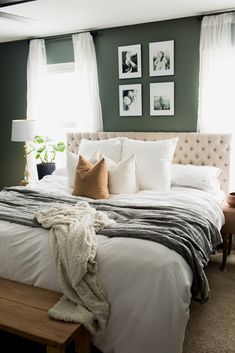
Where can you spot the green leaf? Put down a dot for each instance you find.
(37, 155)
(41, 149)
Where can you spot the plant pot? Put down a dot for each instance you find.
(45, 169)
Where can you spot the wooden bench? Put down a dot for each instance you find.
(24, 312)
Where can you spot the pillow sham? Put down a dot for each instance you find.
(111, 148)
(198, 177)
(122, 176)
(91, 180)
(71, 163)
(153, 160)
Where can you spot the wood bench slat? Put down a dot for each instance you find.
(24, 312)
(26, 294)
(35, 324)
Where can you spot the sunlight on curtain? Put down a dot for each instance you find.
(87, 78)
(59, 110)
(217, 78)
(36, 71)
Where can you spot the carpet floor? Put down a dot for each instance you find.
(211, 327)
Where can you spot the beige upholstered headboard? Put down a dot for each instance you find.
(192, 148)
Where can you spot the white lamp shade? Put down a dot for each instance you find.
(23, 130)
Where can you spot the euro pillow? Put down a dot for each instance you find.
(122, 176)
(153, 161)
(111, 148)
(198, 177)
(91, 180)
(72, 161)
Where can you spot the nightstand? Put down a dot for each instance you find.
(226, 231)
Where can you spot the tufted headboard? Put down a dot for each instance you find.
(192, 148)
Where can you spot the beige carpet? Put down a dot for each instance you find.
(211, 327)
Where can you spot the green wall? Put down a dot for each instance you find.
(13, 83)
(13, 63)
(185, 32)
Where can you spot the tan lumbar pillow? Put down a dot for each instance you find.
(91, 180)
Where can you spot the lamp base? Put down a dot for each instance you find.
(23, 182)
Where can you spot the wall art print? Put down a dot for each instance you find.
(130, 100)
(162, 98)
(129, 61)
(161, 58)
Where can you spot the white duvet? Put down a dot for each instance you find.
(147, 284)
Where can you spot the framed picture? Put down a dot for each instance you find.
(162, 98)
(130, 100)
(129, 61)
(161, 58)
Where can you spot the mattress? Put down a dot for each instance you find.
(147, 284)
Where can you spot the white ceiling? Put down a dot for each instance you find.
(54, 17)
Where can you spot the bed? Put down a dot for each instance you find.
(148, 285)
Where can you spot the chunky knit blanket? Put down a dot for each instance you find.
(73, 237)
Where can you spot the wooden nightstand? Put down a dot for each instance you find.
(227, 230)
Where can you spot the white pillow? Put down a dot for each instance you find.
(153, 160)
(72, 161)
(199, 177)
(60, 171)
(111, 148)
(122, 176)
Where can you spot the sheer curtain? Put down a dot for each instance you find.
(36, 71)
(89, 106)
(217, 77)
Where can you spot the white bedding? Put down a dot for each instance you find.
(147, 284)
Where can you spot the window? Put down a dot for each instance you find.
(59, 109)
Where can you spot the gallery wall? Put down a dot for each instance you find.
(186, 33)
(13, 84)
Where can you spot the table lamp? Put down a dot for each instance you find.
(24, 131)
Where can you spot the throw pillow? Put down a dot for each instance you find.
(91, 180)
(112, 148)
(153, 160)
(122, 176)
(72, 161)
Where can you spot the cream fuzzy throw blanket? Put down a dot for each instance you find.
(73, 237)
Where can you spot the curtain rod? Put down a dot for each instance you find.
(63, 36)
(216, 13)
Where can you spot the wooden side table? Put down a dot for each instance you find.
(227, 231)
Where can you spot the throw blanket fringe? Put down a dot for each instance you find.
(73, 238)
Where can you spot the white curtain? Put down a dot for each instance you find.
(90, 115)
(217, 77)
(36, 71)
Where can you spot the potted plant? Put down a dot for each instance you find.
(45, 151)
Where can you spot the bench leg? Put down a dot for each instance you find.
(230, 241)
(83, 341)
(225, 251)
(51, 349)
